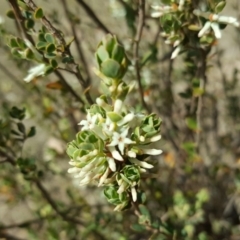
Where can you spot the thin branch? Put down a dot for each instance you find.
(47, 196)
(20, 20)
(8, 158)
(68, 87)
(93, 16)
(7, 236)
(141, 14)
(77, 43)
(203, 81)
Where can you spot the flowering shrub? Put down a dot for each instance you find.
(149, 126)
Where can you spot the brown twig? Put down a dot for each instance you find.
(141, 14)
(68, 87)
(8, 158)
(53, 204)
(93, 16)
(7, 236)
(203, 81)
(78, 43)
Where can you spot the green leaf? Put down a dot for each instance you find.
(219, 7)
(10, 14)
(50, 48)
(144, 211)
(29, 23)
(53, 63)
(15, 52)
(110, 68)
(21, 43)
(41, 45)
(41, 37)
(29, 54)
(118, 53)
(38, 13)
(50, 55)
(48, 70)
(138, 227)
(114, 116)
(191, 123)
(102, 54)
(13, 43)
(67, 59)
(31, 132)
(49, 38)
(17, 113)
(194, 27)
(21, 127)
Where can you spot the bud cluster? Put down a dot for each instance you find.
(113, 145)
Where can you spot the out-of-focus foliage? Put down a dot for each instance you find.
(119, 69)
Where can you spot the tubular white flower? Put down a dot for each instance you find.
(152, 151)
(134, 194)
(141, 163)
(120, 139)
(111, 164)
(175, 52)
(104, 177)
(181, 5)
(155, 138)
(34, 72)
(129, 117)
(118, 106)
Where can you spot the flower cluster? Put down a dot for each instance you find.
(113, 145)
(178, 18)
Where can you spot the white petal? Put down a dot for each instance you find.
(131, 154)
(134, 194)
(155, 138)
(216, 30)
(104, 177)
(152, 151)
(111, 164)
(118, 105)
(74, 170)
(205, 28)
(156, 14)
(121, 147)
(129, 117)
(175, 52)
(116, 155)
(141, 163)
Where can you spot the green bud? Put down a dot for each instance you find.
(111, 58)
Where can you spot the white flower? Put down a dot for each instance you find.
(116, 155)
(214, 21)
(120, 140)
(89, 123)
(215, 28)
(108, 126)
(134, 194)
(161, 10)
(35, 72)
